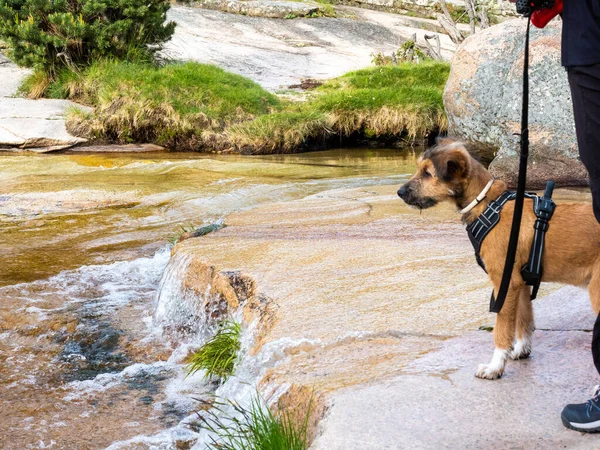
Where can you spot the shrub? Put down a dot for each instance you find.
(50, 35)
(218, 355)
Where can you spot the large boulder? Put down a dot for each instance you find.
(483, 103)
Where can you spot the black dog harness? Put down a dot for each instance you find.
(543, 207)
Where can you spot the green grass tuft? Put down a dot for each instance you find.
(281, 131)
(172, 106)
(255, 428)
(196, 106)
(217, 357)
(400, 100)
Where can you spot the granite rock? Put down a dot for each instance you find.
(31, 125)
(483, 103)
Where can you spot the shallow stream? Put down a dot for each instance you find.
(83, 245)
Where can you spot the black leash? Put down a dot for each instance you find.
(497, 303)
(544, 209)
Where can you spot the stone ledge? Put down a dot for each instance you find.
(438, 403)
(260, 8)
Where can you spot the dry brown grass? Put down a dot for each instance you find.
(389, 121)
(199, 107)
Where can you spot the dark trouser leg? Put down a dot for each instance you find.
(596, 344)
(585, 90)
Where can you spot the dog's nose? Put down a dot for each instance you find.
(403, 191)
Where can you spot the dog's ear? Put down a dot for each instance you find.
(443, 141)
(452, 163)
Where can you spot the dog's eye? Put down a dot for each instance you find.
(427, 174)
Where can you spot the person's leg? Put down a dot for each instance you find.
(585, 91)
(596, 343)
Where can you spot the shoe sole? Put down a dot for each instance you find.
(594, 426)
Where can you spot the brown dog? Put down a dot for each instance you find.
(571, 255)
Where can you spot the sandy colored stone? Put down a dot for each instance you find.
(354, 274)
(303, 405)
(212, 287)
(378, 308)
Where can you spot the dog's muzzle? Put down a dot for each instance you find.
(407, 194)
(403, 191)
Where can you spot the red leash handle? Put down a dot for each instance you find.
(541, 17)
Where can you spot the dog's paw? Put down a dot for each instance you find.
(521, 349)
(489, 372)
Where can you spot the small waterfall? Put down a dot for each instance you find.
(191, 299)
(172, 308)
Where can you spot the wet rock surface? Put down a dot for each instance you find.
(380, 306)
(483, 102)
(438, 403)
(32, 125)
(27, 205)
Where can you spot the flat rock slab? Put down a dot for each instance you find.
(438, 403)
(260, 8)
(31, 125)
(37, 125)
(278, 53)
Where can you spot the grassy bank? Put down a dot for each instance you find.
(195, 106)
(380, 102)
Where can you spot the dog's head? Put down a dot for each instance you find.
(442, 174)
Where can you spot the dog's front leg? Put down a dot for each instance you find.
(504, 334)
(524, 325)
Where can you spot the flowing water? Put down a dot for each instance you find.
(83, 247)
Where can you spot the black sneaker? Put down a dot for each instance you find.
(583, 417)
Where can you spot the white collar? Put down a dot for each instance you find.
(478, 199)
